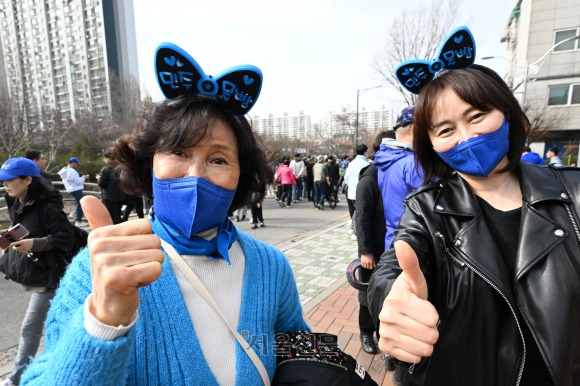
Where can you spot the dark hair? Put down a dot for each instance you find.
(108, 152)
(361, 149)
(379, 138)
(32, 154)
(297, 155)
(185, 121)
(527, 149)
(554, 150)
(330, 158)
(35, 188)
(286, 161)
(485, 90)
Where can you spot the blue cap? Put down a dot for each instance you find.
(18, 167)
(74, 159)
(406, 117)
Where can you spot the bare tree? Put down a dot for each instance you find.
(415, 34)
(13, 127)
(545, 122)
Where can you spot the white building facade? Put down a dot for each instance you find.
(544, 67)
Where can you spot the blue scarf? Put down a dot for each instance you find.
(216, 248)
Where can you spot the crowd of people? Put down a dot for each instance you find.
(470, 252)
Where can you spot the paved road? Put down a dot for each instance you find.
(284, 228)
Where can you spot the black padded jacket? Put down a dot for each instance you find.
(44, 218)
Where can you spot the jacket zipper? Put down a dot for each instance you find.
(573, 221)
(462, 263)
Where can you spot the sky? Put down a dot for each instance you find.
(314, 54)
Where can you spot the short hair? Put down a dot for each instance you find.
(32, 154)
(379, 138)
(330, 158)
(297, 155)
(554, 150)
(361, 149)
(108, 152)
(286, 161)
(485, 90)
(184, 121)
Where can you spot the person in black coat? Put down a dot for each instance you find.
(111, 194)
(370, 228)
(37, 260)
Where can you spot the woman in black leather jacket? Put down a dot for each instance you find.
(37, 261)
(482, 286)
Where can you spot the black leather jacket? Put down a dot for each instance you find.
(480, 308)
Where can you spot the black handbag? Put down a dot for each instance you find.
(315, 359)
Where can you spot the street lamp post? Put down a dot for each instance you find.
(539, 64)
(356, 118)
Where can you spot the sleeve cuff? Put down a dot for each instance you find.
(103, 331)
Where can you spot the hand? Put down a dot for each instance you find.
(367, 261)
(23, 246)
(124, 257)
(408, 322)
(86, 176)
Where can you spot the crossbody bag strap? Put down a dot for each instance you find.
(204, 293)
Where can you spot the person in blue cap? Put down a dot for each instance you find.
(35, 261)
(74, 184)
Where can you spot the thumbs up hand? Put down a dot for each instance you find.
(408, 322)
(124, 257)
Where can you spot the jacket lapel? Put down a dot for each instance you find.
(473, 239)
(538, 233)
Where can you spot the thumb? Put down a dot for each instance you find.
(95, 212)
(409, 263)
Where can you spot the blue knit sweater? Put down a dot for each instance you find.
(163, 348)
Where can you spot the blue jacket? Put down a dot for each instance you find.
(533, 158)
(397, 177)
(163, 347)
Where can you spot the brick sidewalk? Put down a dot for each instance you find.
(338, 315)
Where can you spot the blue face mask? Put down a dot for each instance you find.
(478, 156)
(191, 204)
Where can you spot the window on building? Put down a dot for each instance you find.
(564, 95)
(575, 94)
(563, 35)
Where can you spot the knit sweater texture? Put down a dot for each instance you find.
(163, 347)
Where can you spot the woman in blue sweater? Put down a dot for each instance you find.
(124, 314)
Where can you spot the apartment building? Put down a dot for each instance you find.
(335, 125)
(60, 55)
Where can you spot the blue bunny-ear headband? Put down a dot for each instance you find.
(457, 51)
(178, 73)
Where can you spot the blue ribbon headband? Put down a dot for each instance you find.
(458, 51)
(178, 73)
